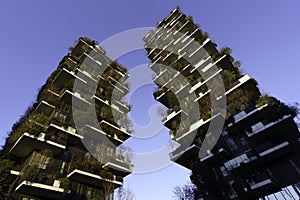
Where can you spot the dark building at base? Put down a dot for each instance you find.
(257, 152)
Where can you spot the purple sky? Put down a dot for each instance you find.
(35, 35)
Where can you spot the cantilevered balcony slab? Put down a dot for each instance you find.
(84, 75)
(260, 130)
(75, 99)
(175, 115)
(247, 118)
(28, 143)
(225, 63)
(91, 179)
(73, 136)
(106, 103)
(213, 158)
(198, 124)
(171, 17)
(238, 162)
(276, 151)
(162, 98)
(63, 77)
(39, 190)
(45, 107)
(118, 85)
(96, 134)
(263, 186)
(119, 166)
(185, 156)
(248, 84)
(119, 130)
(121, 105)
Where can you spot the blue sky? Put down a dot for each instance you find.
(35, 35)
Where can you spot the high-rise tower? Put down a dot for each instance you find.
(253, 148)
(51, 155)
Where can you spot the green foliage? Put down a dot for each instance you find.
(65, 183)
(5, 167)
(224, 51)
(230, 78)
(266, 99)
(31, 173)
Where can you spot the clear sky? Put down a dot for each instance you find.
(35, 35)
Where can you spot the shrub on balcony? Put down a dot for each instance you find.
(224, 51)
(31, 173)
(5, 167)
(65, 183)
(265, 99)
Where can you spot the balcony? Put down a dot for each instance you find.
(263, 185)
(64, 76)
(247, 82)
(118, 85)
(119, 166)
(40, 190)
(124, 107)
(238, 161)
(173, 14)
(174, 116)
(183, 91)
(198, 124)
(207, 45)
(205, 61)
(74, 99)
(91, 179)
(213, 158)
(185, 156)
(161, 75)
(45, 108)
(161, 96)
(86, 76)
(73, 137)
(154, 61)
(28, 143)
(225, 63)
(97, 134)
(118, 130)
(197, 86)
(276, 151)
(106, 103)
(240, 117)
(260, 128)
